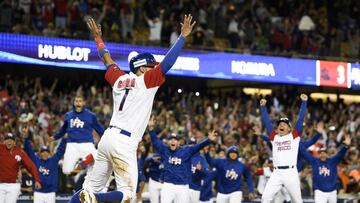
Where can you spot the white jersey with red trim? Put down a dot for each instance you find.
(285, 148)
(133, 98)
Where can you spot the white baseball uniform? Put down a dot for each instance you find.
(9, 192)
(233, 197)
(133, 98)
(41, 197)
(285, 152)
(324, 197)
(154, 190)
(281, 196)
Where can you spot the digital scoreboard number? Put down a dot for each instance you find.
(332, 73)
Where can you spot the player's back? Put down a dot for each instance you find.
(133, 98)
(285, 149)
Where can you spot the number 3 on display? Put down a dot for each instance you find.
(341, 74)
(123, 100)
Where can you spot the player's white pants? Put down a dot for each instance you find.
(9, 192)
(233, 197)
(282, 195)
(289, 178)
(115, 152)
(324, 197)
(74, 152)
(40, 197)
(194, 196)
(174, 193)
(154, 190)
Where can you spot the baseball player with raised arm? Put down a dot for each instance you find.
(229, 172)
(11, 158)
(285, 146)
(199, 167)
(325, 173)
(47, 166)
(154, 168)
(177, 164)
(79, 124)
(133, 96)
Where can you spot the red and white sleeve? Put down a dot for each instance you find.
(154, 77)
(113, 73)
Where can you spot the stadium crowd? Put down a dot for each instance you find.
(307, 28)
(41, 108)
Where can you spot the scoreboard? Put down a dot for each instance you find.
(332, 73)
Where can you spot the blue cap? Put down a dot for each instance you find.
(232, 149)
(191, 140)
(173, 135)
(10, 136)
(144, 59)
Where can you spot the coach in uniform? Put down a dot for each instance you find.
(177, 164)
(12, 157)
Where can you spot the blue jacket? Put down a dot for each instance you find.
(325, 173)
(206, 190)
(197, 176)
(48, 170)
(154, 167)
(79, 126)
(229, 175)
(177, 164)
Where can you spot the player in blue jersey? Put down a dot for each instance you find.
(154, 168)
(229, 172)
(79, 124)
(141, 155)
(324, 171)
(177, 164)
(199, 167)
(206, 189)
(47, 167)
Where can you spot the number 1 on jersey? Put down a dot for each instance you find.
(123, 100)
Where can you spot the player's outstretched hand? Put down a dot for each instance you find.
(94, 28)
(320, 127)
(37, 185)
(262, 102)
(187, 25)
(304, 97)
(213, 135)
(347, 140)
(24, 131)
(152, 122)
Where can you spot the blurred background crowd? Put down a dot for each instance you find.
(308, 28)
(41, 106)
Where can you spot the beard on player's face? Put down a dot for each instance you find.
(323, 156)
(79, 104)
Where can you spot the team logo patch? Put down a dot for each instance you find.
(231, 174)
(44, 171)
(77, 123)
(18, 158)
(324, 171)
(174, 160)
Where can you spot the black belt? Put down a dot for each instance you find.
(284, 167)
(122, 131)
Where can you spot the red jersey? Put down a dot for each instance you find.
(11, 160)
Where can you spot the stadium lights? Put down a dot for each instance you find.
(258, 91)
(197, 94)
(179, 91)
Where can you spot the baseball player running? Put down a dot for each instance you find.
(285, 146)
(133, 96)
(47, 166)
(199, 167)
(11, 158)
(154, 168)
(229, 172)
(177, 164)
(325, 173)
(78, 124)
